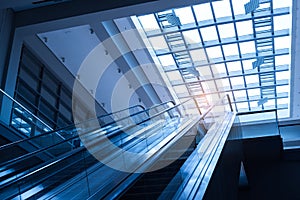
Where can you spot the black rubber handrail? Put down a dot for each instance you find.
(9, 162)
(69, 154)
(74, 125)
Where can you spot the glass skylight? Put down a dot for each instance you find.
(230, 50)
(185, 15)
(203, 12)
(221, 9)
(247, 47)
(214, 52)
(219, 68)
(191, 37)
(149, 22)
(234, 66)
(244, 28)
(226, 30)
(209, 33)
(240, 53)
(166, 60)
(158, 42)
(238, 7)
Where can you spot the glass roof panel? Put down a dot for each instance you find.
(232, 45)
(283, 88)
(282, 42)
(252, 80)
(282, 4)
(174, 76)
(247, 47)
(223, 84)
(149, 22)
(180, 89)
(230, 50)
(203, 12)
(282, 75)
(282, 22)
(283, 101)
(219, 68)
(166, 60)
(238, 6)
(234, 66)
(244, 28)
(198, 56)
(237, 82)
(240, 94)
(185, 15)
(205, 71)
(284, 113)
(209, 33)
(158, 43)
(191, 37)
(254, 106)
(222, 8)
(247, 64)
(242, 106)
(226, 30)
(282, 60)
(253, 92)
(214, 52)
(270, 104)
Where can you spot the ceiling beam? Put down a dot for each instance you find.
(88, 11)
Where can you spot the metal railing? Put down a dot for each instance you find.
(147, 128)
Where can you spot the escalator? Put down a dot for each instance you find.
(23, 168)
(188, 177)
(77, 174)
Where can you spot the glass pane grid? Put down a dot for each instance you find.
(242, 53)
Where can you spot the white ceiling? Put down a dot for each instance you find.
(71, 46)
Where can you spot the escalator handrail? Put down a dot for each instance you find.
(74, 125)
(200, 118)
(69, 154)
(17, 159)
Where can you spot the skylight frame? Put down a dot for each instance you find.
(242, 55)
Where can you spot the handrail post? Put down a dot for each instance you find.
(229, 101)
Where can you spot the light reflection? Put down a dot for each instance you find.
(238, 71)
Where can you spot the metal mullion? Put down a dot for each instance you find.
(273, 46)
(238, 89)
(244, 38)
(240, 59)
(201, 38)
(198, 30)
(256, 48)
(231, 76)
(173, 55)
(256, 53)
(225, 43)
(187, 28)
(224, 58)
(191, 61)
(240, 54)
(244, 101)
